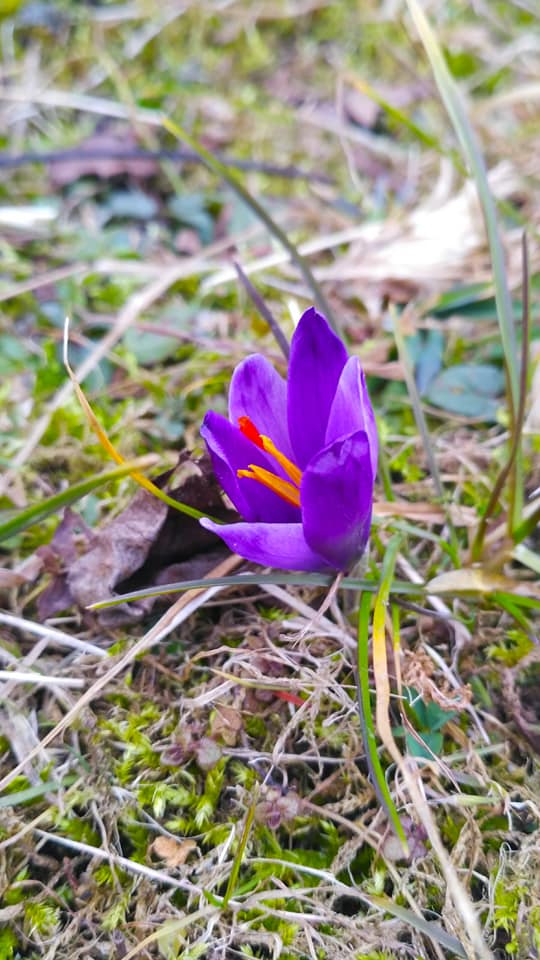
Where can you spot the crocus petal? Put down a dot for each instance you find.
(230, 451)
(280, 545)
(258, 391)
(351, 409)
(336, 495)
(317, 359)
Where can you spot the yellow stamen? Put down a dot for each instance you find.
(283, 488)
(289, 467)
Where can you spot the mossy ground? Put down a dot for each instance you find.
(214, 799)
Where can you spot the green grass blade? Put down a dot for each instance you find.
(514, 459)
(403, 119)
(366, 720)
(527, 557)
(258, 580)
(39, 511)
(36, 792)
(219, 168)
(527, 525)
(427, 927)
(237, 862)
(473, 156)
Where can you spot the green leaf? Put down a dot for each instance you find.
(429, 716)
(150, 348)
(468, 389)
(433, 745)
(190, 209)
(460, 299)
(426, 353)
(130, 204)
(14, 355)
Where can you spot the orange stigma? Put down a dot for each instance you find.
(248, 428)
(286, 489)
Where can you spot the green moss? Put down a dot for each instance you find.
(42, 918)
(8, 944)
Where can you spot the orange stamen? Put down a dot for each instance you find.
(289, 467)
(287, 491)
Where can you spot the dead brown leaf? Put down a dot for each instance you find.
(478, 580)
(147, 543)
(226, 724)
(173, 852)
(419, 672)
(10, 578)
(427, 512)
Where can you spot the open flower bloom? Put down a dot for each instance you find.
(298, 457)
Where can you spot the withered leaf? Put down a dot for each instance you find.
(226, 724)
(10, 578)
(146, 544)
(173, 852)
(106, 153)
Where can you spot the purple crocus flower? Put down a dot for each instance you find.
(298, 457)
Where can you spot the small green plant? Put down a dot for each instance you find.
(428, 719)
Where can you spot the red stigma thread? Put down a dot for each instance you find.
(248, 428)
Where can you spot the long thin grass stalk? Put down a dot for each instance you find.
(113, 452)
(507, 469)
(474, 159)
(264, 311)
(381, 682)
(219, 168)
(40, 511)
(259, 580)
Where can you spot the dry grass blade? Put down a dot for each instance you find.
(39, 680)
(112, 451)
(51, 635)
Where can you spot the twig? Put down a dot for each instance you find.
(10, 161)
